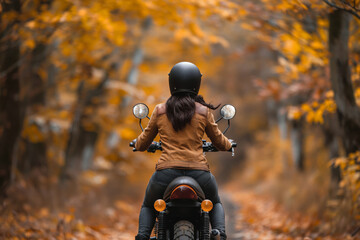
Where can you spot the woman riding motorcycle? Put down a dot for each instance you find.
(181, 123)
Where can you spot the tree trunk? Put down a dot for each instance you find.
(10, 103)
(347, 110)
(81, 143)
(283, 128)
(137, 59)
(34, 155)
(297, 144)
(331, 142)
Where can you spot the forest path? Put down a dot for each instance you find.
(231, 216)
(250, 216)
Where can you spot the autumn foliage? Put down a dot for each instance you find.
(70, 72)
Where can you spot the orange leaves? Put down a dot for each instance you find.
(294, 113)
(29, 44)
(349, 185)
(127, 133)
(314, 112)
(196, 30)
(33, 134)
(94, 178)
(357, 96)
(263, 218)
(184, 33)
(197, 36)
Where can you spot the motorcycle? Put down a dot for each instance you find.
(183, 213)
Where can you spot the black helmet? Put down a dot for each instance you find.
(184, 77)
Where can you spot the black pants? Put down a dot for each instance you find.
(156, 188)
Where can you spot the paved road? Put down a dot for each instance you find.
(231, 217)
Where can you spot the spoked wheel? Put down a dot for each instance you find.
(184, 230)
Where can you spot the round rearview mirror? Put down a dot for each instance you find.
(140, 110)
(227, 111)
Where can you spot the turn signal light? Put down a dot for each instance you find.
(206, 205)
(159, 205)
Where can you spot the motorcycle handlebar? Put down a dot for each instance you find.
(207, 146)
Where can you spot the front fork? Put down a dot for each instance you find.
(205, 226)
(161, 226)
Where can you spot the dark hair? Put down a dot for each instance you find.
(180, 108)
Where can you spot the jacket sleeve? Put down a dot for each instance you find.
(213, 132)
(145, 139)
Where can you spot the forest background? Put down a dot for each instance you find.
(70, 72)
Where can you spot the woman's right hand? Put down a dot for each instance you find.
(132, 143)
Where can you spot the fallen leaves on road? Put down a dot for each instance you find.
(261, 217)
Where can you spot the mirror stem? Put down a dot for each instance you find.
(141, 125)
(148, 117)
(218, 120)
(227, 127)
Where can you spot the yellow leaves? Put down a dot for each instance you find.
(66, 49)
(294, 113)
(33, 133)
(79, 227)
(9, 16)
(284, 5)
(66, 217)
(127, 133)
(247, 26)
(101, 163)
(44, 212)
(31, 24)
(350, 183)
(329, 94)
(94, 178)
(341, 162)
(218, 40)
(357, 95)
(196, 30)
(115, 100)
(288, 68)
(125, 88)
(29, 44)
(292, 47)
(183, 33)
(124, 207)
(317, 45)
(193, 33)
(315, 111)
(82, 12)
(329, 105)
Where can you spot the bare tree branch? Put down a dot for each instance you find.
(331, 4)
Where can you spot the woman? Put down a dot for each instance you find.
(181, 124)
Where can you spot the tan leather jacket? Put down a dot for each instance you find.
(182, 149)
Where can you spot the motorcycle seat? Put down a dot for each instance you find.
(184, 180)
